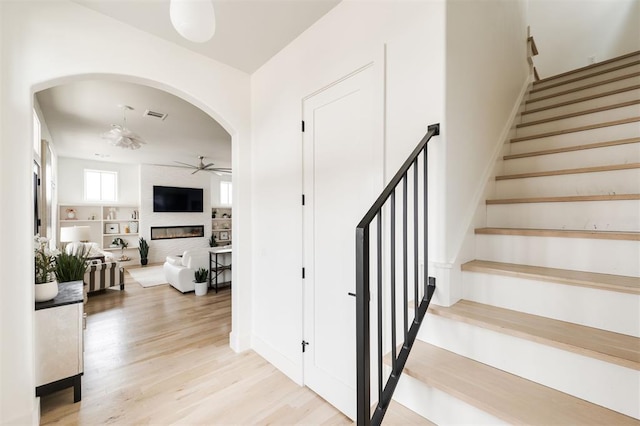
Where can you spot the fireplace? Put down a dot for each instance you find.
(171, 232)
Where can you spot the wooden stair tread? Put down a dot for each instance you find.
(584, 77)
(501, 394)
(607, 346)
(596, 65)
(592, 169)
(577, 129)
(572, 148)
(578, 100)
(579, 113)
(561, 233)
(619, 283)
(585, 87)
(565, 199)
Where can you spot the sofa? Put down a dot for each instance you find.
(92, 250)
(103, 275)
(179, 270)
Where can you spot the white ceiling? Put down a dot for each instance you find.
(248, 33)
(78, 113)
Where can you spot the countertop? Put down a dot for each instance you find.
(68, 293)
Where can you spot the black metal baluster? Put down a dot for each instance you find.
(415, 237)
(393, 279)
(363, 333)
(380, 319)
(405, 273)
(425, 202)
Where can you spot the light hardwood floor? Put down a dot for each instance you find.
(154, 356)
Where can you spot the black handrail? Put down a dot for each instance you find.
(363, 326)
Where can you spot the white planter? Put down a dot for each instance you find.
(201, 288)
(46, 291)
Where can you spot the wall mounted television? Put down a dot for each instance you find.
(171, 199)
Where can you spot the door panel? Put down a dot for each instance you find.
(341, 170)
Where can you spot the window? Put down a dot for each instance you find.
(225, 193)
(100, 185)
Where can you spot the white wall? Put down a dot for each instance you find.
(486, 75)
(568, 32)
(53, 42)
(71, 180)
(350, 36)
(172, 176)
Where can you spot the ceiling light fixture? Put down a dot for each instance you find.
(194, 20)
(121, 136)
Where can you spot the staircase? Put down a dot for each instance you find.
(548, 331)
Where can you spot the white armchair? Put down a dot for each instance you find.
(179, 270)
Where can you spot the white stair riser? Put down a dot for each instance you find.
(590, 71)
(597, 183)
(596, 381)
(580, 305)
(605, 156)
(629, 95)
(602, 88)
(438, 406)
(616, 257)
(580, 121)
(546, 90)
(586, 215)
(602, 134)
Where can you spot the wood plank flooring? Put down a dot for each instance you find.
(155, 356)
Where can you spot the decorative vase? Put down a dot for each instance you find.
(201, 288)
(46, 291)
(144, 261)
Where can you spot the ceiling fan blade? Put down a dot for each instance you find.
(206, 166)
(195, 171)
(186, 164)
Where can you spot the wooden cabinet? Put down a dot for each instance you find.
(221, 225)
(59, 345)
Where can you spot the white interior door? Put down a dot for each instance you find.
(342, 169)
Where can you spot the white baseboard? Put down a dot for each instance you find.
(239, 343)
(289, 367)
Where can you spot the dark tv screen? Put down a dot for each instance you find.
(171, 199)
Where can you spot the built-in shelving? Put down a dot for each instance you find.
(105, 221)
(221, 224)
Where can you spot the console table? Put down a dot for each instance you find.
(59, 341)
(217, 267)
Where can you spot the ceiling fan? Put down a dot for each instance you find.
(207, 167)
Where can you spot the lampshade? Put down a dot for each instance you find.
(194, 20)
(72, 234)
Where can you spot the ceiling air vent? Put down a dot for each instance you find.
(154, 114)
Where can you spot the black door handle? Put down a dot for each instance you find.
(351, 294)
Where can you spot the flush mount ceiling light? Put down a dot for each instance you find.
(194, 20)
(121, 136)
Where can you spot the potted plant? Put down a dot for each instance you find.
(71, 267)
(143, 248)
(123, 245)
(212, 240)
(201, 286)
(45, 265)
